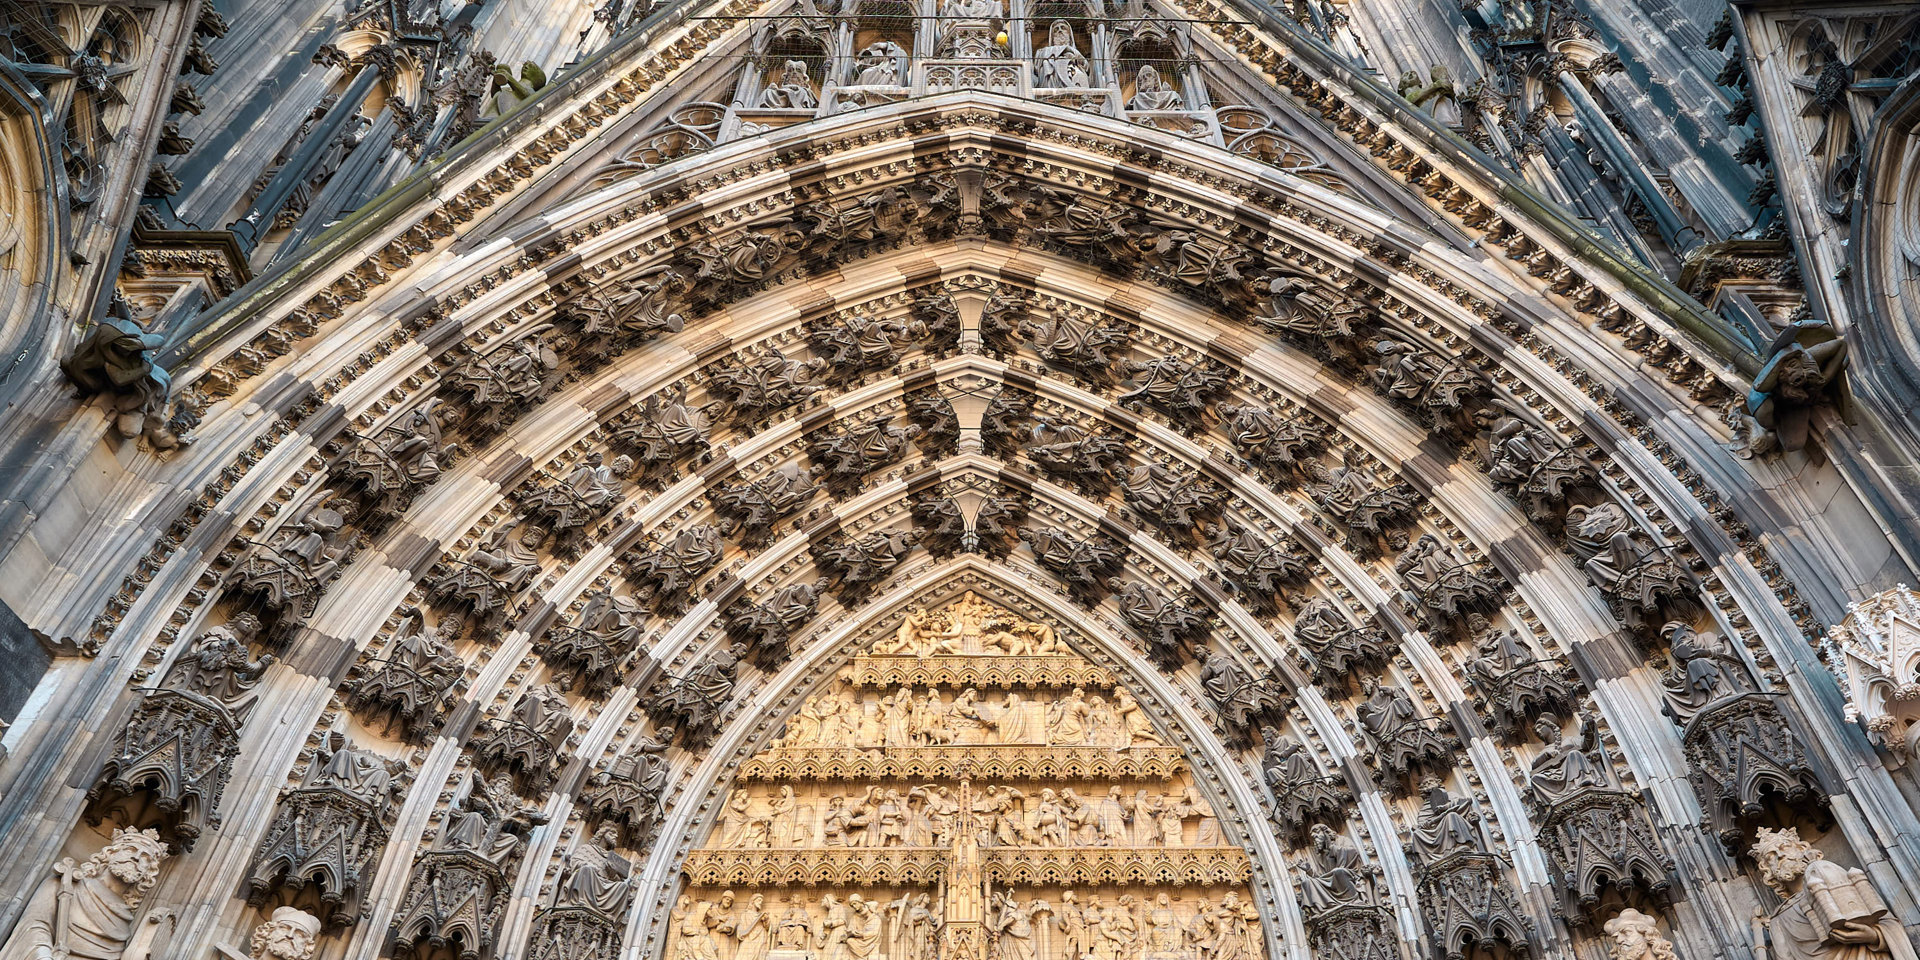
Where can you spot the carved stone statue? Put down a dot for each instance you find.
(1175, 503)
(87, 911)
(1624, 563)
(767, 628)
(1632, 935)
(386, 468)
(1335, 647)
(327, 832)
(177, 749)
(664, 574)
(1276, 445)
(859, 564)
(589, 649)
(750, 508)
(1185, 390)
(936, 426)
(694, 702)
(1302, 795)
(288, 571)
(1402, 740)
(1349, 495)
(1445, 587)
(1060, 64)
(664, 429)
(528, 740)
(1237, 695)
(1151, 93)
(587, 493)
(116, 358)
(762, 386)
(628, 793)
(1171, 627)
(1803, 364)
(460, 884)
(486, 582)
(595, 877)
(289, 933)
(1086, 346)
(1513, 684)
(791, 89)
(408, 687)
(1086, 567)
(505, 379)
(881, 64)
(1334, 874)
(1074, 453)
(863, 447)
(1831, 912)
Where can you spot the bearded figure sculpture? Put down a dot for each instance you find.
(289, 934)
(88, 911)
(1831, 912)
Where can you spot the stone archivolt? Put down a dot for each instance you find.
(1646, 582)
(1055, 827)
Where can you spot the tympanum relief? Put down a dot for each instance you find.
(968, 786)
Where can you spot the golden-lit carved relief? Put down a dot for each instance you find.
(968, 788)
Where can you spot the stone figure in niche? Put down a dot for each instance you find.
(1348, 494)
(1002, 321)
(1526, 459)
(1252, 569)
(1831, 912)
(327, 831)
(529, 739)
(1184, 389)
(501, 381)
(1632, 935)
(1085, 566)
(1401, 740)
(1060, 64)
(1086, 346)
(288, 572)
(881, 64)
(1513, 683)
(694, 702)
(492, 574)
(854, 345)
(628, 793)
(664, 574)
(936, 425)
(176, 750)
(1007, 422)
(1445, 825)
(1334, 875)
(749, 509)
(586, 493)
(1706, 669)
(589, 648)
(967, 28)
(1302, 794)
(1237, 695)
(408, 688)
(1622, 560)
(87, 911)
(595, 877)
(1173, 502)
(942, 525)
(996, 525)
(765, 385)
(767, 628)
(1335, 647)
(1445, 587)
(1013, 927)
(388, 466)
(860, 563)
(791, 89)
(289, 933)
(1070, 451)
(752, 930)
(1562, 767)
(1152, 93)
(1273, 444)
(664, 429)
(863, 447)
(1172, 627)
(1803, 365)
